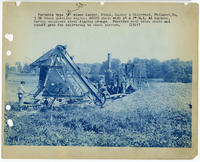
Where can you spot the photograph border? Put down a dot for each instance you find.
(69, 152)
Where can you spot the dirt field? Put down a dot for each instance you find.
(158, 116)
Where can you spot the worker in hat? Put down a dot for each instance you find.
(20, 91)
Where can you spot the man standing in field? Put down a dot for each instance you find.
(20, 91)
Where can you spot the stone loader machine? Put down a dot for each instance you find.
(60, 79)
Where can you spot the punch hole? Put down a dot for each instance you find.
(18, 3)
(8, 107)
(102, 3)
(10, 123)
(185, 3)
(9, 37)
(8, 53)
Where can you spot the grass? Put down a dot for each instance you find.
(159, 116)
(93, 127)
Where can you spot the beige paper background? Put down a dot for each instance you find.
(183, 38)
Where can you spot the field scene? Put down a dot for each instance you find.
(157, 116)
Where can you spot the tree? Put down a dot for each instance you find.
(26, 68)
(139, 69)
(115, 66)
(7, 68)
(103, 68)
(95, 68)
(154, 68)
(12, 69)
(177, 71)
(19, 67)
(85, 68)
(94, 72)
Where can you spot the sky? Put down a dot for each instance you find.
(89, 45)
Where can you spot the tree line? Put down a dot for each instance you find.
(173, 70)
(19, 68)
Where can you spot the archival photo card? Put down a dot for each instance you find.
(99, 81)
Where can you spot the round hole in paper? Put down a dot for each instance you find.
(102, 3)
(9, 37)
(8, 53)
(10, 122)
(8, 107)
(18, 3)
